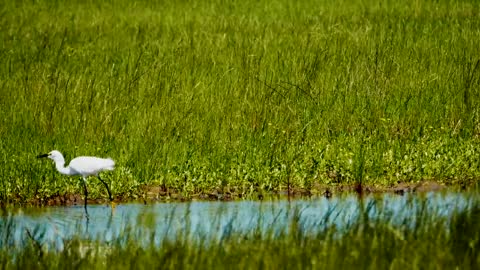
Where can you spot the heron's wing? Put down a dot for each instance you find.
(91, 165)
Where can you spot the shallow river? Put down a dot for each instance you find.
(214, 220)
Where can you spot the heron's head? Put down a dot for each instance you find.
(54, 155)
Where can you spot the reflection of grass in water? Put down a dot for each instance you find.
(238, 97)
(427, 240)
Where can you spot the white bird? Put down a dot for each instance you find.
(84, 166)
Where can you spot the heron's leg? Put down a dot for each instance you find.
(86, 195)
(108, 189)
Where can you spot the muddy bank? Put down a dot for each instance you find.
(150, 194)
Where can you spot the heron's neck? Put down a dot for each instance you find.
(60, 165)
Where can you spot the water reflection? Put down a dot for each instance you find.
(217, 220)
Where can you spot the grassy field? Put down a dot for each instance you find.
(424, 239)
(239, 97)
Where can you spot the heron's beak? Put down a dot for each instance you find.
(42, 156)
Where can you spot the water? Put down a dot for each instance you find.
(217, 220)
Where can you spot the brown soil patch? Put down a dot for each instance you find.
(149, 194)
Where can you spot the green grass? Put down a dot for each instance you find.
(239, 96)
(425, 239)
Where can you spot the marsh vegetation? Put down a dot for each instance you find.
(239, 97)
(243, 100)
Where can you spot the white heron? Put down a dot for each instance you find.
(84, 166)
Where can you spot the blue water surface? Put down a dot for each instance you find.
(207, 221)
